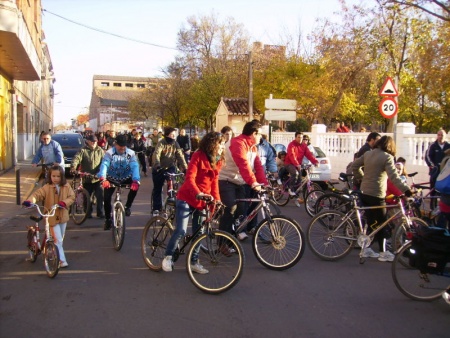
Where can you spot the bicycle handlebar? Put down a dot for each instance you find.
(84, 174)
(50, 212)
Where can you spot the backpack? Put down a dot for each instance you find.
(443, 180)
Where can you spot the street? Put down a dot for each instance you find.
(113, 294)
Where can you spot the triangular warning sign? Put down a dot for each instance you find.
(388, 88)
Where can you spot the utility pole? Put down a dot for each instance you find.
(250, 88)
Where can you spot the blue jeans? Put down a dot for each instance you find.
(183, 210)
(158, 183)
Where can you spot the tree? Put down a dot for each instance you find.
(432, 7)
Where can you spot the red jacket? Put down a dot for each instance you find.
(295, 153)
(200, 177)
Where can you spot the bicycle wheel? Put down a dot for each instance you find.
(329, 237)
(414, 284)
(118, 228)
(312, 186)
(154, 240)
(32, 245)
(311, 200)
(223, 271)
(400, 235)
(332, 201)
(51, 259)
(280, 195)
(80, 208)
(278, 244)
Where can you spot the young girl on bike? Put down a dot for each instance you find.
(201, 180)
(56, 191)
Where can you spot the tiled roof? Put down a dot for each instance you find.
(116, 94)
(239, 106)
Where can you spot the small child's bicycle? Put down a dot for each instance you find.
(48, 246)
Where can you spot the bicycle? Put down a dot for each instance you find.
(173, 182)
(47, 246)
(224, 270)
(332, 234)
(80, 208)
(419, 273)
(118, 216)
(280, 194)
(421, 209)
(44, 173)
(278, 241)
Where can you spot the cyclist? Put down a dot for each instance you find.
(119, 165)
(201, 180)
(267, 155)
(167, 153)
(296, 151)
(89, 158)
(138, 144)
(378, 166)
(56, 191)
(185, 144)
(49, 151)
(241, 175)
(153, 139)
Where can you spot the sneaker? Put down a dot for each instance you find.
(167, 264)
(299, 201)
(107, 225)
(155, 213)
(127, 211)
(242, 236)
(279, 182)
(225, 250)
(291, 193)
(386, 256)
(63, 264)
(197, 267)
(446, 296)
(369, 253)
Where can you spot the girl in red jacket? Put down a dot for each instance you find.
(201, 180)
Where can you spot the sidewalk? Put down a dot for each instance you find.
(8, 197)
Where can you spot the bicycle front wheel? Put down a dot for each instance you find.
(280, 196)
(223, 270)
(329, 237)
(51, 259)
(414, 284)
(400, 237)
(311, 200)
(154, 240)
(278, 243)
(80, 208)
(118, 228)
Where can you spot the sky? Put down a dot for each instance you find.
(79, 53)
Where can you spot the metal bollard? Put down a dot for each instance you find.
(18, 186)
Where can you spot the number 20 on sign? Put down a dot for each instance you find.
(388, 107)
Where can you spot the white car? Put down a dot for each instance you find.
(322, 173)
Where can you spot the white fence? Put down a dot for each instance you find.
(340, 147)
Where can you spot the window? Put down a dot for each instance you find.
(117, 84)
(129, 85)
(141, 85)
(104, 84)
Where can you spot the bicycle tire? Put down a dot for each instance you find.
(414, 284)
(278, 244)
(332, 201)
(51, 259)
(118, 228)
(223, 271)
(311, 200)
(280, 196)
(80, 208)
(33, 249)
(312, 186)
(400, 237)
(329, 238)
(154, 240)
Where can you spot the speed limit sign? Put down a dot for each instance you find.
(388, 107)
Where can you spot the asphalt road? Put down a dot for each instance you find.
(113, 294)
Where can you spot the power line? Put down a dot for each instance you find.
(109, 33)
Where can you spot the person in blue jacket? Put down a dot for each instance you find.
(50, 152)
(119, 165)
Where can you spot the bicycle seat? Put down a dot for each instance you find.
(37, 219)
(412, 174)
(344, 177)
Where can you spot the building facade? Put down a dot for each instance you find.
(26, 81)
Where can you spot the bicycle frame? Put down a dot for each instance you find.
(262, 205)
(305, 181)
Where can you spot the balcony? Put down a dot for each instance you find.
(19, 59)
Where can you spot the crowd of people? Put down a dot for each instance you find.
(224, 167)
